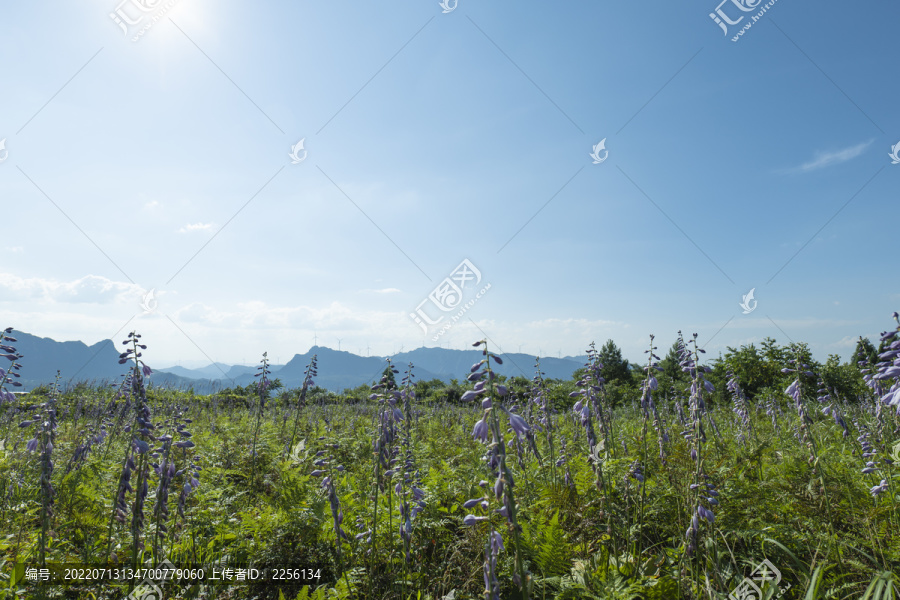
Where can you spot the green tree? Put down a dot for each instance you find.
(864, 350)
(615, 368)
(760, 368)
(845, 379)
(389, 373)
(672, 374)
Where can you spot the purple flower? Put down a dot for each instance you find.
(879, 489)
(518, 424)
(481, 431)
(498, 487)
(889, 373)
(472, 502)
(472, 519)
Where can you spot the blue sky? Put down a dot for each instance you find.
(430, 138)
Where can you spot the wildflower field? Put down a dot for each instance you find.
(759, 474)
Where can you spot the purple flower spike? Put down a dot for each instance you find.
(889, 373)
(706, 513)
(496, 543)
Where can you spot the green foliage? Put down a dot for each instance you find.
(818, 523)
(615, 368)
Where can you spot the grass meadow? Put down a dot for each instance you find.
(682, 485)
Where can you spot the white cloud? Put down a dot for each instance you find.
(848, 341)
(196, 227)
(749, 322)
(257, 315)
(381, 291)
(88, 289)
(827, 159)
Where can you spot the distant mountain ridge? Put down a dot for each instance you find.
(75, 361)
(338, 370)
